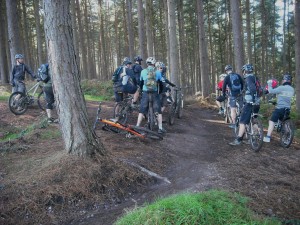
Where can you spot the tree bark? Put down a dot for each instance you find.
(38, 32)
(174, 70)
(141, 31)
(237, 34)
(248, 28)
(205, 82)
(297, 52)
(13, 30)
(75, 30)
(149, 28)
(78, 136)
(3, 56)
(130, 29)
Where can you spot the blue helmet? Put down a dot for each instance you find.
(19, 56)
(247, 68)
(287, 77)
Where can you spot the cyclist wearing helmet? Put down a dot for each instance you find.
(137, 69)
(220, 98)
(249, 98)
(234, 83)
(164, 95)
(149, 84)
(17, 76)
(284, 93)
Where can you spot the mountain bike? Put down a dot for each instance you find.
(128, 130)
(124, 109)
(227, 111)
(176, 106)
(285, 127)
(18, 102)
(253, 132)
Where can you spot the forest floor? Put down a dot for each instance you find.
(41, 184)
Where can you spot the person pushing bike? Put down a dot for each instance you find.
(284, 93)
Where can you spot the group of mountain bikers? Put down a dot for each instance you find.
(17, 81)
(151, 82)
(247, 94)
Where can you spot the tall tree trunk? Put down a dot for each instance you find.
(78, 136)
(75, 30)
(141, 30)
(263, 36)
(284, 35)
(205, 81)
(82, 44)
(237, 34)
(26, 40)
(90, 65)
(3, 56)
(297, 52)
(174, 71)
(248, 29)
(167, 30)
(130, 29)
(38, 32)
(13, 30)
(149, 27)
(182, 46)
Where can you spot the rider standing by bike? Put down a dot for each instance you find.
(149, 84)
(137, 69)
(220, 98)
(284, 93)
(234, 82)
(18, 74)
(249, 98)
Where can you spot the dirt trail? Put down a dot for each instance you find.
(197, 146)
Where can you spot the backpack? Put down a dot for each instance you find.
(43, 73)
(115, 76)
(259, 88)
(151, 82)
(235, 82)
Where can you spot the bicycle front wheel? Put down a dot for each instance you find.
(41, 101)
(287, 133)
(18, 103)
(121, 112)
(172, 112)
(151, 121)
(179, 107)
(256, 134)
(147, 133)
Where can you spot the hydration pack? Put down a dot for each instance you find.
(151, 82)
(235, 82)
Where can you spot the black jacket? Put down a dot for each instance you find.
(18, 73)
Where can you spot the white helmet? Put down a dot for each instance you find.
(151, 60)
(222, 76)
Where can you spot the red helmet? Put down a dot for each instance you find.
(274, 84)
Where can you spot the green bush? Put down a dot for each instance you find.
(95, 88)
(211, 207)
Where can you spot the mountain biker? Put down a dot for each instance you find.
(220, 98)
(48, 93)
(164, 95)
(249, 98)
(17, 76)
(149, 84)
(234, 82)
(284, 93)
(137, 69)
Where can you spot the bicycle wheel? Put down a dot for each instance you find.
(227, 115)
(147, 133)
(172, 112)
(41, 101)
(287, 133)
(237, 126)
(121, 112)
(256, 134)
(179, 107)
(18, 103)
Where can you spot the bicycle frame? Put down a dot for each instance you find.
(34, 88)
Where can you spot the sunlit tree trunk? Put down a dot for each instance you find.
(174, 70)
(205, 81)
(77, 134)
(297, 52)
(237, 34)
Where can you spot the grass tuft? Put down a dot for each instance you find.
(211, 207)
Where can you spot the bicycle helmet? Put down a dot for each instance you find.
(247, 68)
(19, 56)
(228, 67)
(222, 76)
(126, 61)
(287, 77)
(159, 65)
(138, 58)
(151, 60)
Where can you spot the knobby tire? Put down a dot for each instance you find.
(122, 113)
(21, 103)
(172, 112)
(147, 133)
(179, 107)
(41, 101)
(256, 135)
(287, 133)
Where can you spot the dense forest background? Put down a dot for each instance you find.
(196, 39)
